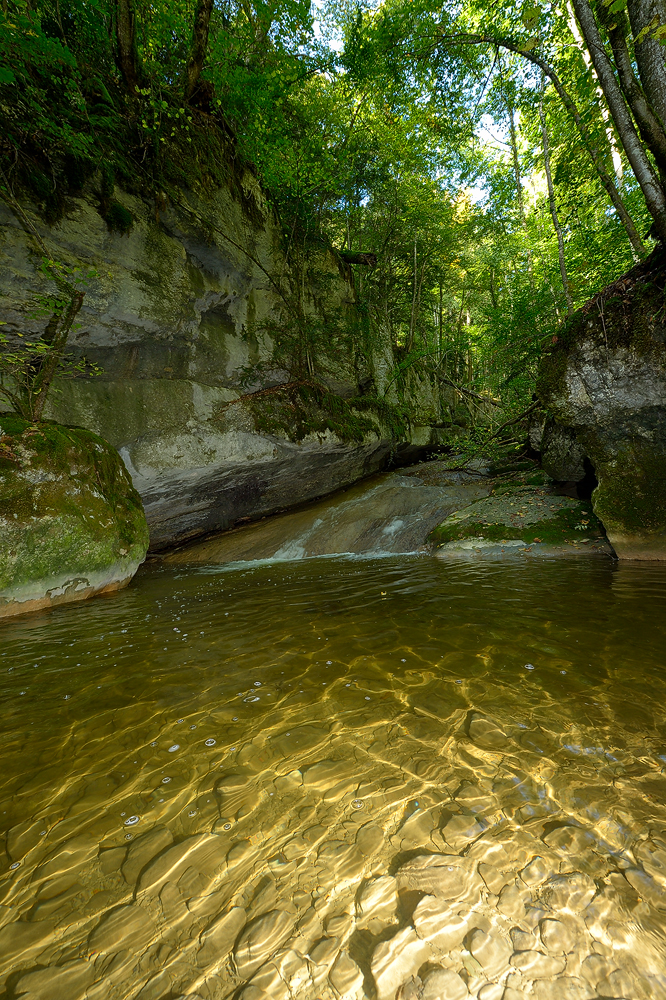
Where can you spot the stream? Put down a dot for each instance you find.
(366, 775)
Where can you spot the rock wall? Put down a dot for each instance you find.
(190, 311)
(605, 378)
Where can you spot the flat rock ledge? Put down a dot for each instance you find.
(521, 520)
(71, 523)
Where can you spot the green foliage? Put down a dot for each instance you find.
(377, 129)
(28, 367)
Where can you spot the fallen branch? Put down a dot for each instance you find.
(466, 392)
(282, 387)
(484, 444)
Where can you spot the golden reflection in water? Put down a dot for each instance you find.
(338, 778)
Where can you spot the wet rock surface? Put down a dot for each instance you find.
(390, 513)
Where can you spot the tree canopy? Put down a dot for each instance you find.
(484, 169)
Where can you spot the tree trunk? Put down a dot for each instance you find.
(199, 46)
(519, 186)
(616, 156)
(412, 317)
(127, 56)
(649, 54)
(551, 201)
(649, 125)
(650, 186)
(614, 195)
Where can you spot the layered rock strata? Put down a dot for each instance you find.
(193, 309)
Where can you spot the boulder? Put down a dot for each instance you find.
(561, 455)
(605, 378)
(532, 520)
(71, 523)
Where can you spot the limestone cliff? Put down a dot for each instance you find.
(605, 377)
(199, 321)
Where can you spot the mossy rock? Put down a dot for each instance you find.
(71, 522)
(631, 500)
(529, 515)
(605, 378)
(302, 409)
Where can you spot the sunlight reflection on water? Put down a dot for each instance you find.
(339, 777)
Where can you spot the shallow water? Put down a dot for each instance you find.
(339, 777)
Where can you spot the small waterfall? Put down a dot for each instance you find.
(387, 514)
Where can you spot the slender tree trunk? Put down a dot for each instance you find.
(616, 156)
(551, 201)
(650, 186)
(614, 195)
(127, 56)
(649, 125)
(649, 53)
(519, 187)
(412, 317)
(199, 46)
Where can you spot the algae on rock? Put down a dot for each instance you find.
(72, 524)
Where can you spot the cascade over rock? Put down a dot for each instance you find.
(605, 379)
(192, 318)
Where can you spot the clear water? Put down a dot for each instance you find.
(339, 777)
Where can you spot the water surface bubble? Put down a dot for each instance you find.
(529, 666)
(165, 781)
(257, 684)
(192, 812)
(15, 864)
(358, 804)
(193, 727)
(132, 820)
(173, 749)
(210, 743)
(128, 836)
(227, 826)
(235, 718)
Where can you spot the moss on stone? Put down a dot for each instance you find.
(631, 496)
(552, 519)
(298, 410)
(118, 218)
(69, 510)
(629, 313)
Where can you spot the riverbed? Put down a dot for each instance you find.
(339, 777)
